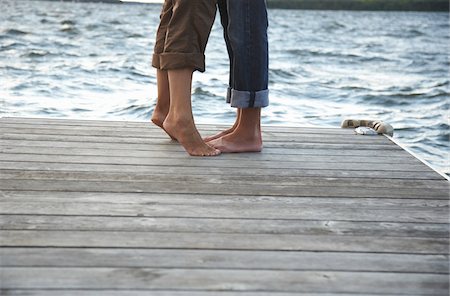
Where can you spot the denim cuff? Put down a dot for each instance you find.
(229, 95)
(248, 99)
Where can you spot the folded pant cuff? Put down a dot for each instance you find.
(171, 61)
(229, 95)
(249, 99)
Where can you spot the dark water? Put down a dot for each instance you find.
(93, 61)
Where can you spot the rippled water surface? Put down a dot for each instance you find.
(93, 61)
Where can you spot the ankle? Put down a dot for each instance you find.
(248, 133)
(181, 122)
(160, 108)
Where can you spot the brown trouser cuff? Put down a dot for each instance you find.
(171, 61)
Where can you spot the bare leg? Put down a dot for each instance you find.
(179, 122)
(227, 131)
(246, 137)
(163, 102)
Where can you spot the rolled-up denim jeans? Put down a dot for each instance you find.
(245, 31)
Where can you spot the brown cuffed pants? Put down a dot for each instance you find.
(183, 33)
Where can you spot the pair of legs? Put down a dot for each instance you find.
(180, 45)
(245, 26)
(245, 32)
(173, 111)
(172, 115)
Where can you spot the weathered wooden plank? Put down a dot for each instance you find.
(223, 241)
(139, 150)
(219, 259)
(223, 225)
(92, 209)
(249, 179)
(147, 129)
(38, 153)
(304, 138)
(433, 215)
(269, 148)
(219, 161)
(218, 199)
(162, 153)
(165, 143)
(168, 170)
(222, 188)
(224, 206)
(109, 136)
(231, 280)
(191, 229)
(76, 123)
(143, 292)
(124, 292)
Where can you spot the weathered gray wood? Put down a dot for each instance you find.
(223, 241)
(371, 175)
(167, 144)
(108, 137)
(145, 130)
(218, 161)
(232, 157)
(142, 150)
(237, 280)
(363, 158)
(269, 148)
(124, 292)
(224, 206)
(225, 225)
(218, 199)
(150, 130)
(92, 206)
(223, 259)
(249, 179)
(349, 143)
(221, 188)
(74, 123)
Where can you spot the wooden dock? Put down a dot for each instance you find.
(116, 208)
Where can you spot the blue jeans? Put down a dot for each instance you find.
(245, 31)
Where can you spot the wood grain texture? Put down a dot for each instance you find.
(134, 292)
(116, 208)
(223, 259)
(234, 280)
(137, 170)
(316, 224)
(227, 241)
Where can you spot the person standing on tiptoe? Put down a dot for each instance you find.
(180, 45)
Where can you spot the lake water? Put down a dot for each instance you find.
(92, 61)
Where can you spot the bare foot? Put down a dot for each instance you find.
(227, 131)
(158, 118)
(219, 135)
(237, 143)
(188, 136)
